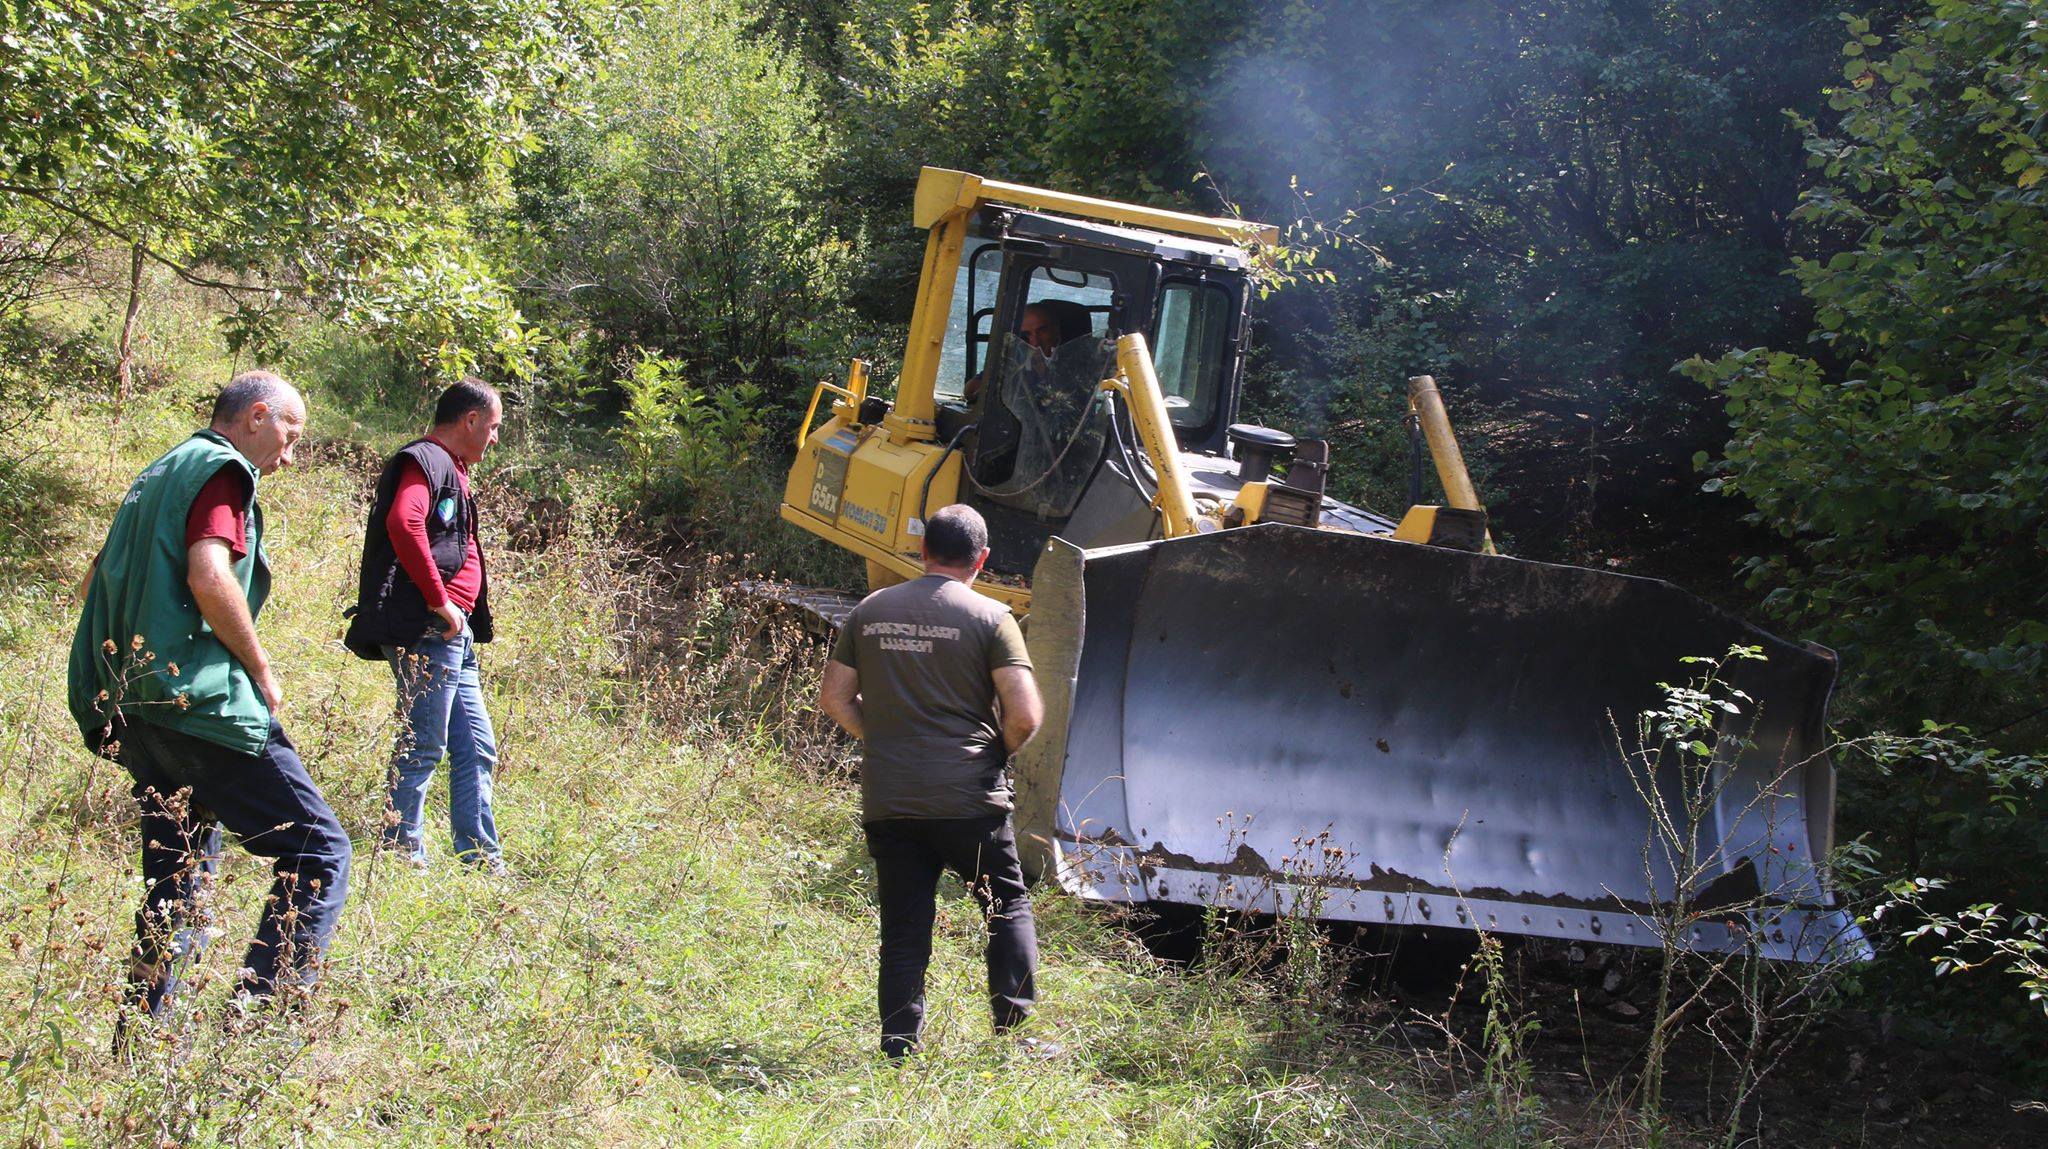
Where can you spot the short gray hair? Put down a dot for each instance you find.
(955, 535)
(245, 391)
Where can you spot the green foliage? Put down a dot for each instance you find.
(311, 149)
(1903, 465)
(900, 84)
(680, 438)
(1969, 935)
(1909, 479)
(701, 479)
(1978, 935)
(1118, 99)
(1504, 1040)
(940, 84)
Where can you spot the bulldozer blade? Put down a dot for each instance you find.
(1296, 721)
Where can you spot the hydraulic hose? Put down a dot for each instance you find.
(924, 495)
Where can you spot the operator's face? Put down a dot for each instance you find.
(1039, 330)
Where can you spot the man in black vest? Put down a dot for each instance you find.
(422, 606)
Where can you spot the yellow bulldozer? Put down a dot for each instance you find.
(1262, 698)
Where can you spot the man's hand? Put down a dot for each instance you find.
(452, 615)
(210, 573)
(85, 583)
(266, 685)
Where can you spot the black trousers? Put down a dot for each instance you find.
(909, 854)
(187, 789)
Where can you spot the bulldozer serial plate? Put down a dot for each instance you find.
(830, 482)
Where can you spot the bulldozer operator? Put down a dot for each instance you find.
(1043, 327)
(1038, 436)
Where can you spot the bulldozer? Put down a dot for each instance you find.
(1262, 698)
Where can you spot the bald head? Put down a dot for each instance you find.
(263, 416)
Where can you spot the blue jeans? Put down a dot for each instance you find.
(442, 703)
(188, 789)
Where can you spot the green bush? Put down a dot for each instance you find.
(679, 440)
(701, 478)
(1903, 466)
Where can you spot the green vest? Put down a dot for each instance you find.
(142, 650)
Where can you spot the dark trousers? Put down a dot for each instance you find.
(909, 854)
(188, 788)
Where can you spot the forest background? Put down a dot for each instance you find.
(1748, 295)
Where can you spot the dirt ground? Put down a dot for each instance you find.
(1847, 1077)
(1852, 1078)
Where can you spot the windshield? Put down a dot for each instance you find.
(1045, 427)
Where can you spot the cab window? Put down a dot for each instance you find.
(967, 326)
(1090, 289)
(1190, 349)
(1055, 332)
(1042, 424)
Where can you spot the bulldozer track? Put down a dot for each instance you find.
(823, 609)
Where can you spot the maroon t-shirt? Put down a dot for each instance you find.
(221, 511)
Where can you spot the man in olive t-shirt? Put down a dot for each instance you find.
(934, 680)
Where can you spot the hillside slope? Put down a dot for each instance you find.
(684, 954)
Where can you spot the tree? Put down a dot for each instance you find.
(1903, 462)
(1908, 481)
(682, 212)
(317, 149)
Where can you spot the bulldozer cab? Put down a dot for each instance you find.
(1038, 301)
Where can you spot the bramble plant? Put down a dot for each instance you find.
(1680, 760)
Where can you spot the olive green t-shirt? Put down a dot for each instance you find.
(927, 652)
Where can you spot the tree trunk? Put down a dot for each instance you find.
(125, 371)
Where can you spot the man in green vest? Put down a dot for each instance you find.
(169, 679)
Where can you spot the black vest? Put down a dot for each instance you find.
(389, 609)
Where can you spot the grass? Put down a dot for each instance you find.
(685, 953)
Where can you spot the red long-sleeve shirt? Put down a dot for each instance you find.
(407, 524)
